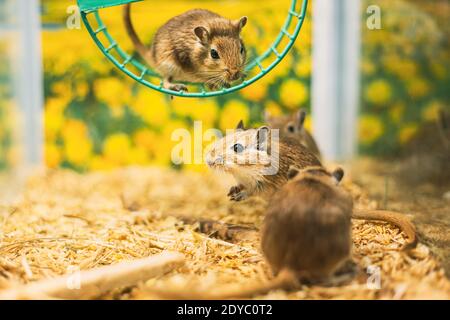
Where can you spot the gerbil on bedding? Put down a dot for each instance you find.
(231, 154)
(306, 234)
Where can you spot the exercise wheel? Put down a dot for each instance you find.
(124, 61)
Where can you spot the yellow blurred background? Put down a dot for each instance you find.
(97, 118)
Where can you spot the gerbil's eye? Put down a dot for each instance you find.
(238, 148)
(242, 50)
(214, 54)
(291, 128)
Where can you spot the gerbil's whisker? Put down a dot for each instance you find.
(215, 81)
(248, 60)
(210, 72)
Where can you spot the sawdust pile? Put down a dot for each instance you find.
(66, 221)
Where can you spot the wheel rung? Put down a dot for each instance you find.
(287, 33)
(102, 28)
(113, 45)
(275, 51)
(295, 14)
(127, 60)
(143, 74)
(260, 67)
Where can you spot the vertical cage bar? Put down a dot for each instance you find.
(335, 79)
(30, 79)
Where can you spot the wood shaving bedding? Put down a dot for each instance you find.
(64, 220)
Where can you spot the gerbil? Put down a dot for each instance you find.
(292, 125)
(427, 155)
(232, 153)
(197, 46)
(258, 162)
(306, 234)
(307, 227)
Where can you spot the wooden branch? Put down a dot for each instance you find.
(93, 283)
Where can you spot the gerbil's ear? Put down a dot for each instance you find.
(240, 126)
(202, 34)
(338, 174)
(241, 23)
(301, 115)
(262, 137)
(292, 172)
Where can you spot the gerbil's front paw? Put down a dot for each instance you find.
(235, 189)
(237, 193)
(178, 87)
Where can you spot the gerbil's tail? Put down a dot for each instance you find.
(138, 45)
(284, 280)
(395, 218)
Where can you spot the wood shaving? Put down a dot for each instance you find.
(65, 219)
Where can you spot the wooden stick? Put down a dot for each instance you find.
(93, 283)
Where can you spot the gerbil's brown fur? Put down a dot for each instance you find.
(307, 227)
(182, 49)
(292, 126)
(292, 153)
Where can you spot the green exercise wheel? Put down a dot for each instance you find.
(128, 64)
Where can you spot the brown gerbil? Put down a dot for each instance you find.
(258, 161)
(307, 227)
(234, 154)
(306, 235)
(292, 125)
(197, 46)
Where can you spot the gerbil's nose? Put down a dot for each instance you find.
(235, 75)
